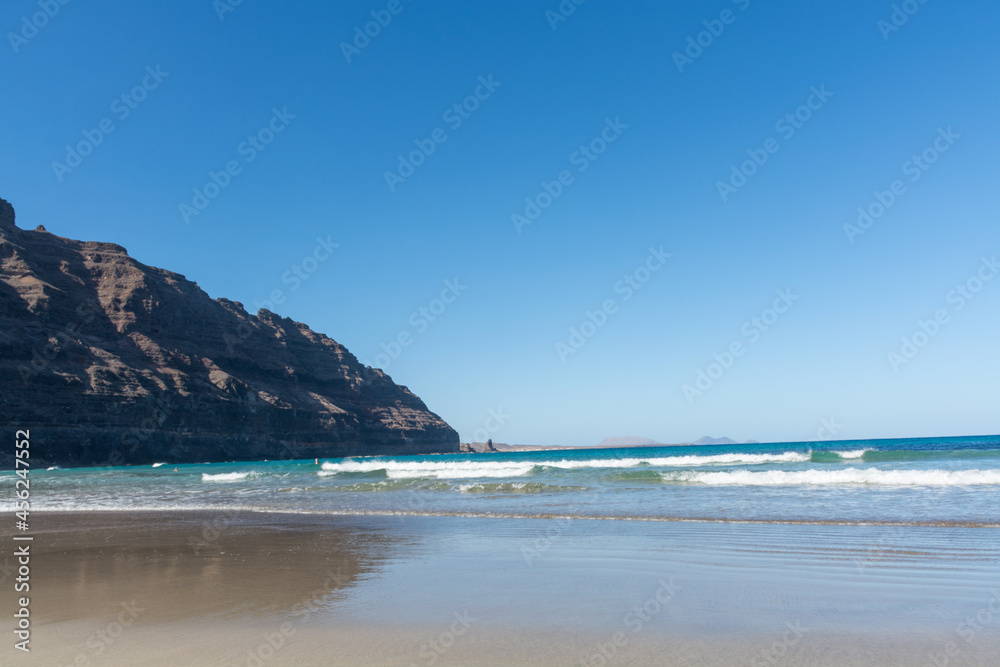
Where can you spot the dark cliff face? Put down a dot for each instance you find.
(108, 362)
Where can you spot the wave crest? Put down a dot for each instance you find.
(224, 476)
(483, 468)
(850, 476)
(853, 453)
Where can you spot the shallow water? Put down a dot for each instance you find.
(212, 587)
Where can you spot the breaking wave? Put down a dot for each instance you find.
(851, 476)
(513, 487)
(225, 476)
(853, 453)
(479, 468)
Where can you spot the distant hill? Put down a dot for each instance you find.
(627, 441)
(708, 440)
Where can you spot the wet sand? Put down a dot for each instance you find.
(235, 589)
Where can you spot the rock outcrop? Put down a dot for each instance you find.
(108, 361)
(478, 447)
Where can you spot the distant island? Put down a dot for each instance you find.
(109, 361)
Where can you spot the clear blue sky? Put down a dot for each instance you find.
(495, 346)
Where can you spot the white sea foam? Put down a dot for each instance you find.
(435, 469)
(480, 468)
(730, 459)
(224, 477)
(862, 476)
(157, 465)
(852, 453)
(468, 488)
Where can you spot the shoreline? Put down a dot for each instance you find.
(526, 517)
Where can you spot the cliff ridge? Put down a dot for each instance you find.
(109, 361)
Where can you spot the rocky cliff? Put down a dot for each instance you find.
(108, 361)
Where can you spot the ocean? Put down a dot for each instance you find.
(875, 552)
(951, 481)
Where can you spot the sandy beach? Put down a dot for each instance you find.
(515, 334)
(234, 589)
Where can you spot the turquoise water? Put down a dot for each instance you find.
(947, 481)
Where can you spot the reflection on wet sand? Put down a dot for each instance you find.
(183, 566)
